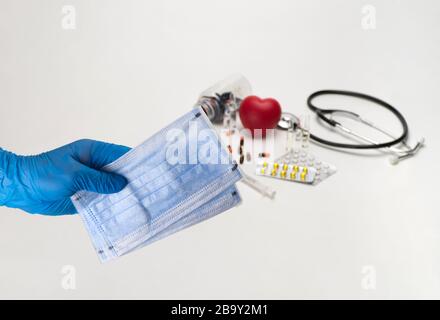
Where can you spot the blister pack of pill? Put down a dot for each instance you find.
(297, 165)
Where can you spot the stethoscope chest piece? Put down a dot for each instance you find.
(288, 120)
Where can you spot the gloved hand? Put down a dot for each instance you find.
(44, 183)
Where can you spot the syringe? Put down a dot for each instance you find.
(258, 186)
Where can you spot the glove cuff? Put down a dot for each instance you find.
(7, 185)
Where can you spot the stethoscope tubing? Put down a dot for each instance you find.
(322, 114)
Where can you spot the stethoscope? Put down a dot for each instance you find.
(397, 145)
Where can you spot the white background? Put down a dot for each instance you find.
(131, 67)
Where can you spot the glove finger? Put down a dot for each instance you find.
(98, 181)
(97, 154)
(52, 208)
(62, 207)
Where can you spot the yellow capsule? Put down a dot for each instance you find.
(303, 176)
(305, 170)
(263, 171)
(283, 174)
(285, 167)
(293, 175)
(295, 168)
(274, 172)
(264, 164)
(276, 165)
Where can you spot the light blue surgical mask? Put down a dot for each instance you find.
(222, 202)
(180, 176)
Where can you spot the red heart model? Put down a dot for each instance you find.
(256, 113)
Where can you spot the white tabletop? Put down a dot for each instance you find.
(129, 68)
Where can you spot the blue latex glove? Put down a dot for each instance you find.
(44, 183)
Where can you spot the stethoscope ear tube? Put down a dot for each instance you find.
(322, 114)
